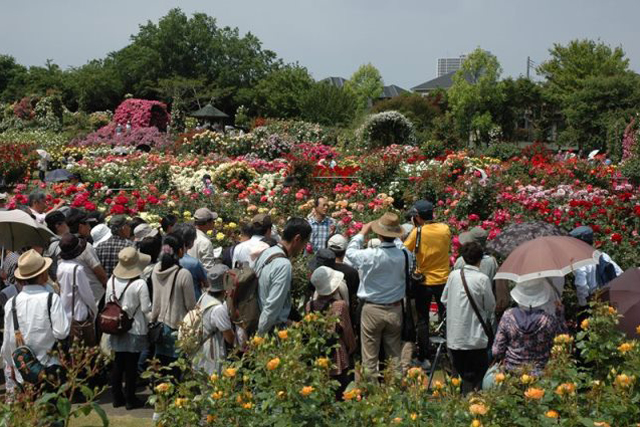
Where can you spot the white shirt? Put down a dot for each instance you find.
(39, 333)
(586, 281)
(464, 330)
(202, 250)
(216, 320)
(243, 251)
(85, 305)
(39, 217)
(89, 260)
(135, 301)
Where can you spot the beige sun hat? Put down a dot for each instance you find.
(388, 226)
(131, 263)
(326, 280)
(31, 264)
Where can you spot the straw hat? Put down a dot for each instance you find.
(532, 293)
(326, 280)
(131, 263)
(31, 264)
(388, 226)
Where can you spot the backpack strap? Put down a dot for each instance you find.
(49, 302)
(73, 293)
(16, 326)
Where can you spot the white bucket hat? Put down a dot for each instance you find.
(326, 280)
(100, 233)
(143, 231)
(532, 293)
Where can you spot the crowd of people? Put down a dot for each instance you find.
(373, 283)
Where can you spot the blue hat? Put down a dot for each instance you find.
(424, 208)
(584, 233)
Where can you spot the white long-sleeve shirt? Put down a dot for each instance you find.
(39, 330)
(586, 281)
(243, 251)
(464, 330)
(85, 304)
(135, 301)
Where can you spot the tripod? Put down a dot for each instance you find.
(440, 340)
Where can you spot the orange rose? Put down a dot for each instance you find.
(534, 393)
(551, 414)
(273, 363)
(478, 409)
(306, 390)
(283, 334)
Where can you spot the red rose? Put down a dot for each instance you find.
(117, 210)
(616, 238)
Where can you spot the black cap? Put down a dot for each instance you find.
(423, 206)
(54, 218)
(324, 257)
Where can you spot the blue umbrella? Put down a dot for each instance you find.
(58, 175)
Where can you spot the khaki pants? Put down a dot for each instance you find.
(380, 324)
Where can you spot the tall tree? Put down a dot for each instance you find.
(12, 78)
(282, 92)
(592, 85)
(366, 84)
(476, 95)
(329, 105)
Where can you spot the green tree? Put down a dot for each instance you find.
(366, 85)
(282, 92)
(591, 84)
(476, 95)
(12, 79)
(522, 115)
(329, 105)
(421, 110)
(97, 86)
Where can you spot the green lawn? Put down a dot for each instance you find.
(127, 421)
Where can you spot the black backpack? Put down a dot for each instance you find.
(605, 272)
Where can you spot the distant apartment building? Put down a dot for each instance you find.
(450, 65)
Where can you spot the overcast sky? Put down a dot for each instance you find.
(402, 38)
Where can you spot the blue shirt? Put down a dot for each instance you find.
(274, 289)
(320, 231)
(197, 272)
(382, 271)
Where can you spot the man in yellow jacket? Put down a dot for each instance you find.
(431, 248)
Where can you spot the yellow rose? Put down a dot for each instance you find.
(273, 363)
(217, 395)
(213, 378)
(220, 236)
(526, 379)
(584, 324)
(625, 347)
(623, 380)
(283, 334)
(232, 225)
(455, 381)
(500, 377)
(322, 362)
(180, 402)
(163, 388)
(476, 423)
(563, 339)
(438, 385)
(414, 416)
(186, 214)
(307, 390)
(311, 317)
(282, 394)
(209, 232)
(551, 414)
(230, 372)
(257, 340)
(534, 393)
(478, 409)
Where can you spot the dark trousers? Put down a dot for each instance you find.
(124, 365)
(471, 365)
(423, 296)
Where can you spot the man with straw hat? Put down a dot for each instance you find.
(41, 318)
(381, 290)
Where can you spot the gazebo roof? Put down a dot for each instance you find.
(209, 112)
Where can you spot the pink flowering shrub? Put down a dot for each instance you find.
(629, 140)
(107, 135)
(142, 113)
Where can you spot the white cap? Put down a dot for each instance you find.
(337, 242)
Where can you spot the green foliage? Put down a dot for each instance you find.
(282, 92)
(366, 85)
(631, 170)
(242, 117)
(476, 95)
(421, 110)
(502, 150)
(591, 83)
(329, 105)
(383, 129)
(433, 148)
